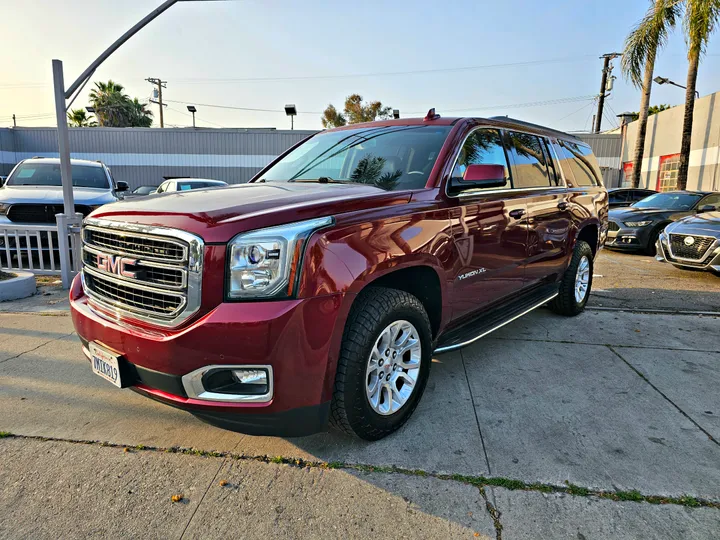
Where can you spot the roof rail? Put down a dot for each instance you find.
(506, 118)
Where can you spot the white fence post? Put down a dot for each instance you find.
(68, 246)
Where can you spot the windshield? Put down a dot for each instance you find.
(671, 201)
(48, 174)
(389, 157)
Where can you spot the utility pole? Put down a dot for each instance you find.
(160, 85)
(14, 121)
(607, 69)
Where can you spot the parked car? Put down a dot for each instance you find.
(186, 184)
(626, 196)
(33, 193)
(637, 227)
(693, 241)
(319, 292)
(144, 190)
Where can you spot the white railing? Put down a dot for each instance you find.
(35, 248)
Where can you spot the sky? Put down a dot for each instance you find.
(537, 61)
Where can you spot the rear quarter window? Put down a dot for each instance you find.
(582, 164)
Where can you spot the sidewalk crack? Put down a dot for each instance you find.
(494, 513)
(477, 420)
(36, 348)
(187, 525)
(644, 378)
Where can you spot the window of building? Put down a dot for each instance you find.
(531, 168)
(668, 173)
(482, 147)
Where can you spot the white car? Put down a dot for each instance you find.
(32, 193)
(186, 184)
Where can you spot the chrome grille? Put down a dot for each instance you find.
(696, 251)
(150, 273)
(612, 226)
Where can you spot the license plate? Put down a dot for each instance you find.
(105, 364)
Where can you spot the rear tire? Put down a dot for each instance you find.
(386, 328)
(576, 282)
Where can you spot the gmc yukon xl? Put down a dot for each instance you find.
(319, 292)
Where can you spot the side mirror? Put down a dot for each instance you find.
(707, 208)
(122, 186)
(482, 176)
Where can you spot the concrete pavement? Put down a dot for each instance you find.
(614, 403)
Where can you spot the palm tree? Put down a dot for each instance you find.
(701, 19)
(140, 115)
(79, 118)
(638, 63)
(111, 104)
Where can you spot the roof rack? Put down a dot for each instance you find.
(530, 124)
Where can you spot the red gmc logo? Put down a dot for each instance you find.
(116, 265)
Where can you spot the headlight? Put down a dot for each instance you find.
(636, 224)
(4, 208)
(264, 263)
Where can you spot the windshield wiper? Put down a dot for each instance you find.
(319, 180)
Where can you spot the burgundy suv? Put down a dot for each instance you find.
(319, 292)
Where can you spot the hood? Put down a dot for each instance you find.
(218, 214)
(53, 195)
(707, 224)
(630, 213)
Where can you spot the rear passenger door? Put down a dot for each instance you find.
(536, 176)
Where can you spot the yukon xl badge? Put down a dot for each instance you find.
(471, 274)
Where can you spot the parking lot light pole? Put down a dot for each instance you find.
(69, 218)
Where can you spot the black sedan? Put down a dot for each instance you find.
(626, 196)
(637, 227)
(692, 242)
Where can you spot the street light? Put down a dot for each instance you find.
(291, 111)
(70, 219)
(193, 110)
(90, 109)
(665, 80)
(396, 113)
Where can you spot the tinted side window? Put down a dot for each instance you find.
(619, 196)
(711, 199)
(162, 187)
(555, 178)
(583, 164)
(530, 165)
(482, 147)
(185, 186)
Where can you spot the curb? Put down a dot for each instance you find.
(21, 286)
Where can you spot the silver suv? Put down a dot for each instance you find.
(32, 193)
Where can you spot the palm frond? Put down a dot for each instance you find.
(649, 36)
(701, 20)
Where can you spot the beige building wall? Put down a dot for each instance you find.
(664, 133)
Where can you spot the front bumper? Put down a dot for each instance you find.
(298, 338)
(628, 239)
(710, 261)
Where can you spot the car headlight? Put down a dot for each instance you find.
(636, 224)
(4, 208)
(264, 263)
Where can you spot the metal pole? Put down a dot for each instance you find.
(193, 120)
(112, 48)
(292, 123)
(162, 121)
(14, 121)
(68, 217)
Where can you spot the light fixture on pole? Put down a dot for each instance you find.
(193, 110)
(665, 80)
(90, 109)
(396, 113)
(291, 111)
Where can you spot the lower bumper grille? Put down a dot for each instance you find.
(696, 249)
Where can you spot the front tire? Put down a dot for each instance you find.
(576, 282)
(384, 364)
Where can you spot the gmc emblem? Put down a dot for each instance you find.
(116, 265)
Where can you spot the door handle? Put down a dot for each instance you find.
(517, 213)
(563, 205)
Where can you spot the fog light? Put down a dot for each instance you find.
(249, 382)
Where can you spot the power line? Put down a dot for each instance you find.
(382, 73)
(577, 111)
(186, 114)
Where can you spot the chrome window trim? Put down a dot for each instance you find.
(549, 143)
(192, 382)
(194, 260)
(473, 194)
(708, 252)
(147, 263)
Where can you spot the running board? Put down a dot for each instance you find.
(494, 319)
